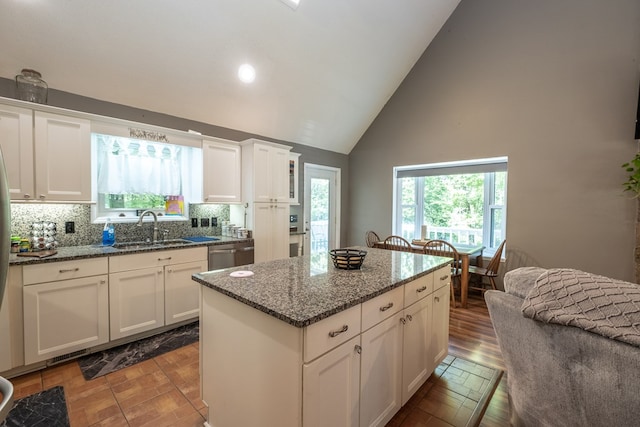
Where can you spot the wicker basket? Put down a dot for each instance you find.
(347, 259)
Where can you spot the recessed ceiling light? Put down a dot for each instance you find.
(247, 73)
(293, 4)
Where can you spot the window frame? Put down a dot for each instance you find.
(191, 171)
(487, 166)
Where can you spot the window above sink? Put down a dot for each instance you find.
(137, 174)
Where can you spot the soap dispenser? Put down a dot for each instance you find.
(108, 234)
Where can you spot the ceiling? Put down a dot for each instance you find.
(323, 71)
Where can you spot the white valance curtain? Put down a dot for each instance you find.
(131, 166)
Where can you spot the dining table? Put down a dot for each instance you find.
(466, 252)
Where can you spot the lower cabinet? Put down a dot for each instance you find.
(153, 289)
(136, 301)
(416, 349)
(68, 314)
(381, 372)
(440, 325)
(181, 294)
(338, 371)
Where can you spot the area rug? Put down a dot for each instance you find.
(98, 364)
(457, 394)
(45, 409)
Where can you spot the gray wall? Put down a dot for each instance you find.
(551, 84)
(308, 154)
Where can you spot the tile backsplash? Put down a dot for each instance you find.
(86, 233)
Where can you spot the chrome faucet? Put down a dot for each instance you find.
(155, 224)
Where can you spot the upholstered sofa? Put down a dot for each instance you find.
(571, 345)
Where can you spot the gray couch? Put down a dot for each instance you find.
(560, 375)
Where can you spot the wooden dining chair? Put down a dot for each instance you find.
(397, 243)
(490, 272)
(372, 238)
(446, 249)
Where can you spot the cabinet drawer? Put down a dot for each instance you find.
(441, 278)
(156, 259)
(63, 270)
(331, 332)
(418, 289)
(379, 308)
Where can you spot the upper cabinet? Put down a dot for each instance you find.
(16, 140)
(48, 156)
(62, 157)
(221, 170)
(294, 172)
(265, 171)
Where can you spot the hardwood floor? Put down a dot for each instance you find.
(164, 391)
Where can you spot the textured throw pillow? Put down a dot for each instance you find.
(594, 303)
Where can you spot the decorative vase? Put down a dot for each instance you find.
(30, 87)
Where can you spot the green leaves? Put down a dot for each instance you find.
(633, 182)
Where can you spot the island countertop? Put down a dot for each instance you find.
(306, 289)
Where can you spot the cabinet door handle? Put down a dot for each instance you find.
(42, 196)
(69, 270)
(103, 281)
(386, 307)
(445, 277)
(358, 349)
(422, 289)
(403, 320)
(437, 299)
(409, 317)
(27, 196)
(164, 259)
(170, 271)
(334, 334)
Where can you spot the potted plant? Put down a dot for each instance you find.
(632, 183)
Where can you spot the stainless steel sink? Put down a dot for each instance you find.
(147, 245)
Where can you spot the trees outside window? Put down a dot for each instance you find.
(459, 202)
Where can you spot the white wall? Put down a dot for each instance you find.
(551, 84)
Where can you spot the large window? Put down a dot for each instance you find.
(137, 174)
(461, 202)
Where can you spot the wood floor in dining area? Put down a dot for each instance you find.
(164, 391)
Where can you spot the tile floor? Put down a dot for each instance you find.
(164, 391)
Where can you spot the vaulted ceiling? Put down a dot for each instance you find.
(324, 70)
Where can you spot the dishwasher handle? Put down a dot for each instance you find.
(231, 251)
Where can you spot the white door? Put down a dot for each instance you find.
(321, 208)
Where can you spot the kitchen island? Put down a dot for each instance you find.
(298, 342)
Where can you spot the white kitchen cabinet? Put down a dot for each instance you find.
(381, 372)
(136, 301)
(181, 294)
(222, 171)
(331, 392)
(67, 313)
(294, 172)
(440, 319)
(265, 171)
(62, 153)
(270, 222)
(416, 356)
(16, 141)
(137, 293)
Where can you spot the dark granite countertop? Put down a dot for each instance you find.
(306, 289)
(67, 253)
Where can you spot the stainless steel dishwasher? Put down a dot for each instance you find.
(230, 255)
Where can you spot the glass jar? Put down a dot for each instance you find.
(30, 87)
